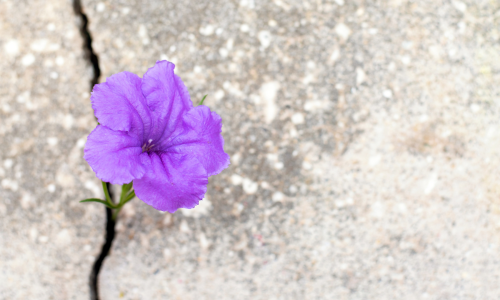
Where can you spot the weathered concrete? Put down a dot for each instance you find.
(364, 142)
(47, 238)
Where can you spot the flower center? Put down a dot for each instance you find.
(148, 146)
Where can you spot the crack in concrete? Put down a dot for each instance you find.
(90, 55)
(93, 59)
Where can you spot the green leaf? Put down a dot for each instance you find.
(99, 201)
(106, 193)
(129, 197)
(201, 102)
(125, 189)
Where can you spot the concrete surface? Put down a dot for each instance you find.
(47, 238)
(364, 149)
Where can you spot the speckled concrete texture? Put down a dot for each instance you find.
(47, 238)
(364, 142)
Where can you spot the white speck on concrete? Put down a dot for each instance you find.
(247, 3)
(68, 121)
(8, 163)
(100, 7)
(244, 28)
(250, 187)
(143, 34)
(167, 254)
(39, 45)
(268, 92)
(204, 242)
(314, 105)
(405, 59)
(378, 210)
(402, 208)
(387, 94)
(60, 61)
(11, 47)
(236, 179)
(28, 59)
(235, 159)
(343, 31)
(10, 184)
(81, 143)
(52, 141)
(278, 196)
(298, 118)
(475, 108)
(219, 94)
(308, 79)
(229, 44)
(360, 76)
(374, 160)
(163, 56)
(51, 188)
(265, 185)
(334, 56)
(197, 69)
(265, 38)
(431, 184)
(223, 52)
(33, 233)
(207, 30)
(423, 118)
(184, 227)
(460, 6)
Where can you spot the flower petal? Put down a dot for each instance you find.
(173, 181)
(115, 156)
(202, 139)
(167, 98)
(119, 104)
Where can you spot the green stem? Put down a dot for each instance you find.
(129, 197)
(115, 213)
(201, 102)
(123, 200)
(125, 189)
(106, 193)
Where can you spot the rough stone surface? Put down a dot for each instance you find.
(364, 149)
(47, 239)
(364, 142)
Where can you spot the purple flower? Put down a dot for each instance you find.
(151, 134)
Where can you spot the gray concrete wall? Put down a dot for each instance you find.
(364, 142)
